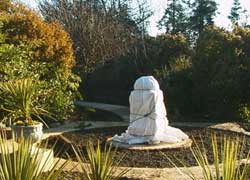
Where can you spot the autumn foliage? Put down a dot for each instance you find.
(33, 48)
(48, 40)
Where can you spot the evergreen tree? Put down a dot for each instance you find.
(236, 10)
(202, 14)
(174, 19)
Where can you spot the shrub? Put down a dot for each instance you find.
(31, 47)
(213, 82)
(173, 65)
(166, 48)
(221, 72)
(244, 112)
(49, 42)
(176, 83)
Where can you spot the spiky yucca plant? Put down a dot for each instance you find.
(21, 161)
(226, 160)
(19, 99)
(101, 165)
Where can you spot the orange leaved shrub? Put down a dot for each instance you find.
(49, 41)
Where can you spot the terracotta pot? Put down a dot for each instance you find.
(34, 132)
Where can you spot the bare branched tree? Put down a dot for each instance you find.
(100, 29)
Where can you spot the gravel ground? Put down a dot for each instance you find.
(133, 158)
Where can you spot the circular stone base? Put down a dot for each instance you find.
(183, 144)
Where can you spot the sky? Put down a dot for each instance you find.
(158, 6)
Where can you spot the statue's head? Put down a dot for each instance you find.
(146, 83)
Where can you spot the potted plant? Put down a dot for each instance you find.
(19, 98)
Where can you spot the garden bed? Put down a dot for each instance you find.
(133, 158)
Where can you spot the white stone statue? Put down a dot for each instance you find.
(148, 121)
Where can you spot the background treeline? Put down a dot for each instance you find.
(203, 69)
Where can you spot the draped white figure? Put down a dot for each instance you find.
(148, 121)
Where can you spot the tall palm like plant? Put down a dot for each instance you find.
(101, 164)
(19, 99)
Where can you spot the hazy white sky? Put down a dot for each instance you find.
(158, 7)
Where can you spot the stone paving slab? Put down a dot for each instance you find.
(234, 127)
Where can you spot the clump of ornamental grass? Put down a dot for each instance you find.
(101, 164)
(226, 164)
(22, 161)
